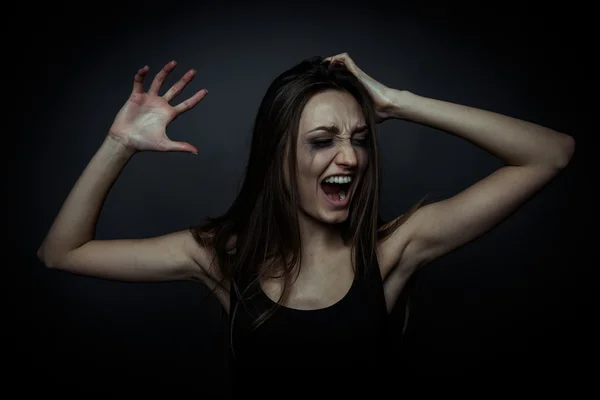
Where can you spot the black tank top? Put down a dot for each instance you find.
(350, 333)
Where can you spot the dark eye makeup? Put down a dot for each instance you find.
(324, 143)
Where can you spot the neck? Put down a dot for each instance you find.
(320, 242)
(318, 238)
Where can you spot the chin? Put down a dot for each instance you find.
(334, 217)
(327, 216)
(334, 221)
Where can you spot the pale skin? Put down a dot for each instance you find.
(533, 154)
(326, 274)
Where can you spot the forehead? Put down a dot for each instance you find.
(332, 107)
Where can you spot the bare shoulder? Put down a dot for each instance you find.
(397, 251)
(399, 257)
(204, 257)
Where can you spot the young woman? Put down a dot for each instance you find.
(301, 261)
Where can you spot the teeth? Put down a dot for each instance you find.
(342, 195)
(339, 179)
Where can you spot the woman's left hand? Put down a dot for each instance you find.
(378, 91)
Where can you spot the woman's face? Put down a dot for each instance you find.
(332, 155)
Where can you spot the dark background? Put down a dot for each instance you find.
(514, 302)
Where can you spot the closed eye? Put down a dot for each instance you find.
(364, 142)
(321, 143)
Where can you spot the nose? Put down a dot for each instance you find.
(346, 156)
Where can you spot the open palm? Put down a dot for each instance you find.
(142, 121)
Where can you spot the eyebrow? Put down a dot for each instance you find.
(334, 129)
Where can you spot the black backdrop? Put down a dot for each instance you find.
(516, 301)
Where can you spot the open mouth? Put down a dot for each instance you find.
(338, 190)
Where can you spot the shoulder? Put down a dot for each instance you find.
(397, 251)
(397, 247)
(202, 252)
(208, 269)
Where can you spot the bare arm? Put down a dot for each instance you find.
(75, 224)
(70, 243)
(534, 156)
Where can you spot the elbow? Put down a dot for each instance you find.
(40, 255)
(48, 262)
(567, 152)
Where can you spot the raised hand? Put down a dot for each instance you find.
(141, 123)
(380, 93)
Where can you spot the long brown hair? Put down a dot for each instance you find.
(259, 236)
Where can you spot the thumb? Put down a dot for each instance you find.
(181, 146)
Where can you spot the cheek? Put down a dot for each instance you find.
(310, 170)
(320, 161)
(311, 164)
